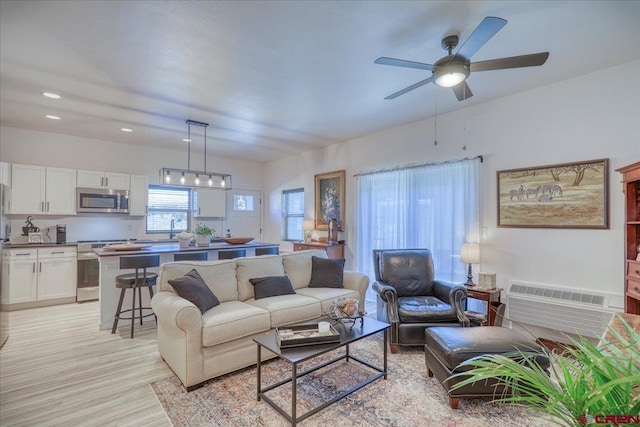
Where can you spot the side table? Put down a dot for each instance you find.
(490, 296)
(334, 251)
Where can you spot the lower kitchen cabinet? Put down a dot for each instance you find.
(19, 276)
(37, 277)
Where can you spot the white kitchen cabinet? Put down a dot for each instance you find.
(31, 275)
(5, 174)
(60, 191)
(209, 203)
(56, 273)
(19, 276)
(99, 179)
(42, 190)
(28, 189)
(138, 195)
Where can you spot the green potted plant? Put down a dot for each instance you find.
(204, 234)
(586, 382)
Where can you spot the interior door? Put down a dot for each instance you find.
(244, 214)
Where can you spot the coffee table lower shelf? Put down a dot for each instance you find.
(297, 356)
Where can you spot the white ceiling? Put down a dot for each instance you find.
(276, 78)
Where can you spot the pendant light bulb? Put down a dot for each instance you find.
(223, 182)
(167, 177)
(197, 180)
(210, 181)
(182, 178)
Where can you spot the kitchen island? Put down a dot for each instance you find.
(110, 268)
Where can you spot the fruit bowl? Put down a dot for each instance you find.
(344, 308)
(238, 240)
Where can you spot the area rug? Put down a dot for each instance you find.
(408, 398)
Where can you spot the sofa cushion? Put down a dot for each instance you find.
(326, 273)
(250, 267)
(192, 288)
(327, 296)
(286, 309)
(232, 320)
(297, 266)
(220, 276)
(271, 286)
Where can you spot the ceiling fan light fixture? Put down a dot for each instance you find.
(450, 75)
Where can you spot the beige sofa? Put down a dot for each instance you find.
(199, 346)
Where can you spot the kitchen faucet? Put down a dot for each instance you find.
(172, 229)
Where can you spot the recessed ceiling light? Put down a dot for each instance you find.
(126, 130)
(51, 95)
(49, 116)
(186, 140)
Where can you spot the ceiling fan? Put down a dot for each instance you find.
(452, 70)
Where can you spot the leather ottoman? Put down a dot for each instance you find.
(446, 348)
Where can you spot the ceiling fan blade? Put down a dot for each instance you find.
(462, 91)
(410, 88)
(402, 63)
(487, 29)
(532, 60)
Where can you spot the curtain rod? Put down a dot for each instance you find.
(416, 165)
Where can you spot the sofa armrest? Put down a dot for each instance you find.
(175, 311)
(356, 282)
(387, 302)
(453, 294)
(180, 336)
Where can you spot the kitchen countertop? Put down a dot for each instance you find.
(172, 248)
(8, 245)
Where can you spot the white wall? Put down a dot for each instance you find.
(57, 150)
(588, 117)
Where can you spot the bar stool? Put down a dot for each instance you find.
(135, 281)
(190, 256)
(232, 253)
(267, 251)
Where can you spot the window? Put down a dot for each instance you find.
(432, 206)
(166, 204)
(242, 202)
(292, 214)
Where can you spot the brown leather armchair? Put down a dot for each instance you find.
(410, 299)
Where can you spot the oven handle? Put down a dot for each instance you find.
(83, 256)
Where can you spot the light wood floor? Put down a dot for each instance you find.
(58, 369)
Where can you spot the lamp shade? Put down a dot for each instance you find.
(470, 253)
(307, 225)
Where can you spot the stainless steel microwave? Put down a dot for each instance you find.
(97, 200)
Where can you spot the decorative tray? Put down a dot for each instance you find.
(126, 247)
(301, 335)
(238, 240)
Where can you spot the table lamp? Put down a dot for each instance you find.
(307, 226)
(470, 254)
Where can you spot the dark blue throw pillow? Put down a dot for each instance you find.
(271, 286)
(191, 287)
(326, 273)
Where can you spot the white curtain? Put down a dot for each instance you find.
(432, 206)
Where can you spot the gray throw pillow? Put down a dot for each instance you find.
(326, 273)
(191, 287)
(271, 286)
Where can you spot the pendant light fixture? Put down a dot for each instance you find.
(194, 178)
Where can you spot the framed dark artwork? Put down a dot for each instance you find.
(567, 195)
(329, 199)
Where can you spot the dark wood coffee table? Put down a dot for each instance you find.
(297, 355)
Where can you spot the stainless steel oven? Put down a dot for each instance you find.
(89, 270)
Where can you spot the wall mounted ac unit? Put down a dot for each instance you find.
(570, 310)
